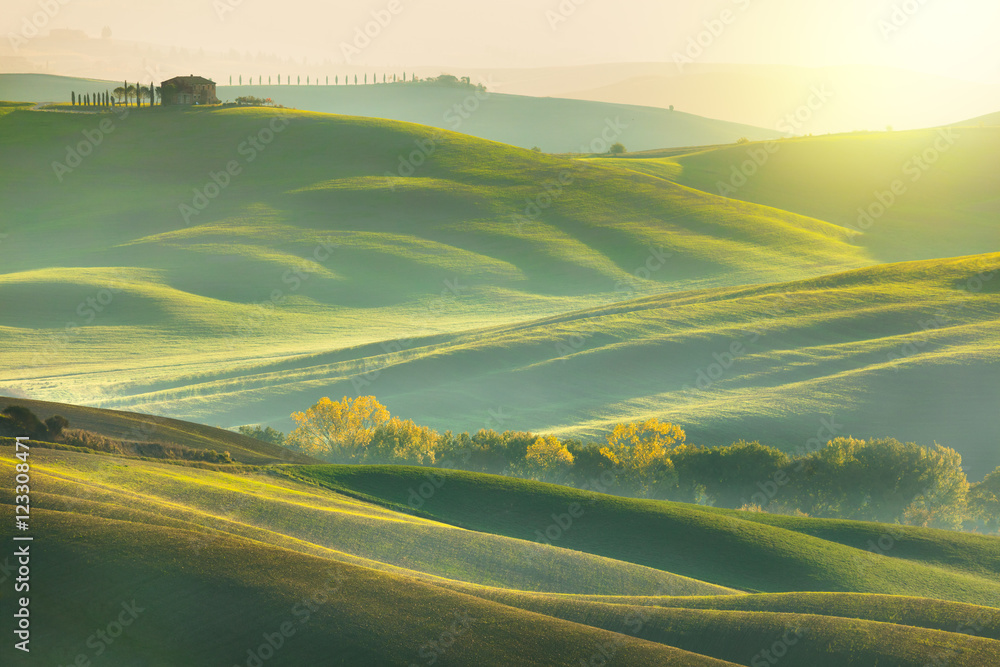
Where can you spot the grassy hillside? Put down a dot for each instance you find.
(195, 550)
(329, 613)
(821, 640)
(566, 295)
(945, 202)
(327, 254)
(678, 538)
(555, 125)
(897, 609)
(255, 505)
(791, 364)
(135, 427)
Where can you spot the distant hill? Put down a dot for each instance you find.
(945, 203)
(554, 125)
(855, 97)
(990, 119)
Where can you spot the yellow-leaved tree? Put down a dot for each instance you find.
(547, 454)
(641, 453)
(338, 430)
(402, 441)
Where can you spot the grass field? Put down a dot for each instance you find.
(944, 203)
(489, 280)
(338, 571)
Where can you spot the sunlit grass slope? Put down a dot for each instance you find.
(821, 640)
(256, 505)
(226, 559)
(316, 243)
(965, 552)
(946, 201)
(227, 602)
(678, 538)
(908, 351)
(980, 621)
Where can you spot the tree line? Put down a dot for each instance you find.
(879, 479)
(357, 80)
(126, 94)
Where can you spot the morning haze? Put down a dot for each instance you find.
(555, 333)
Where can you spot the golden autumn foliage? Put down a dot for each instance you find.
(402, 441)
(338, 430)
(547, 453)
(641, 451)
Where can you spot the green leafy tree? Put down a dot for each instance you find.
(403, 442)
(55, 425)
(883, 480)
(268, 434)
(984, 500)
(617, 149)
(17, 420)
(745, 473)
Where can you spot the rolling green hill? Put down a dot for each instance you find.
(154, 546)
(792, 364)
(674, 537)
(459, 279)
(135, 427)
(911, 195)
(555, 125)
(144, 299)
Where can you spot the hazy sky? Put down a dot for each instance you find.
(951, 37)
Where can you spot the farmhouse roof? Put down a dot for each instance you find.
(189, 79)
